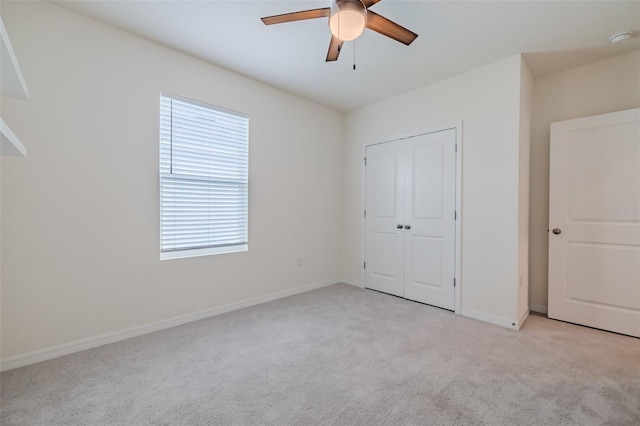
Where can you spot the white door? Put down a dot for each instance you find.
(384, 189)
(429, 213)
(409, 223)
(594, 221)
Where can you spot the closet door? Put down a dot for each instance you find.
(384, 206)
(429, 208)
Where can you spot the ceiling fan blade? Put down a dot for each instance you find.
(297, 16)
(382, 25)
(334, 49)
(369, 3)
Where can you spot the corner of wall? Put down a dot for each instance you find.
(524, 157)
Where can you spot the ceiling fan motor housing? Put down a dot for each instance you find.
(348, 19)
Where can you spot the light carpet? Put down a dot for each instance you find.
(338, 356)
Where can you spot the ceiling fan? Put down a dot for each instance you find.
(347, 20)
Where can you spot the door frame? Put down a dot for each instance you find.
(457, 126)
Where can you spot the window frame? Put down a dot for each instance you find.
(200, 251)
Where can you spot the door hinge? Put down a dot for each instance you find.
(365, 213)
(454, 282)
(456, 147)
(365, 161)
(365, 265)
(455, 214)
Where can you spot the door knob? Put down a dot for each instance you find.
(407, 227)
(557, 231)
(399, 226)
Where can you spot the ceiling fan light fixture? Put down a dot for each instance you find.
(348, 19)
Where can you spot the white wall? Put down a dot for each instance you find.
(80, 250)
(526, 99)
(79, 216)
(597, 88)
(487, 100)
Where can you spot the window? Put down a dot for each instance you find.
(203, 179)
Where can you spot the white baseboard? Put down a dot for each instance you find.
(489, 318)
(541, 309)
(116, 336)
(523, 318)
(351, 282)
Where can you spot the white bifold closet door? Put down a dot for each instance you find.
(410, 218)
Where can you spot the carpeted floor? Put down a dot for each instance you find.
(338, 356)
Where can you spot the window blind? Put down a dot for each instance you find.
(203, 176)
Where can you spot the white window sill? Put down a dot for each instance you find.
(181, 254)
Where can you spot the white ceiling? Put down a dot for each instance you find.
(454, 37)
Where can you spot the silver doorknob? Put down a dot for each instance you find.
(399, 226)
(557, 231)
(407, 227)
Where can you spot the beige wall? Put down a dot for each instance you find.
(524, 182)
(597, 88)
(487, 101)
(80, 250)
(79, 216)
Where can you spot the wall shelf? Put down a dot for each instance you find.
(11, 84)
(11, 145)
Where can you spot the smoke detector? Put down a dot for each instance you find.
(617, 38)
